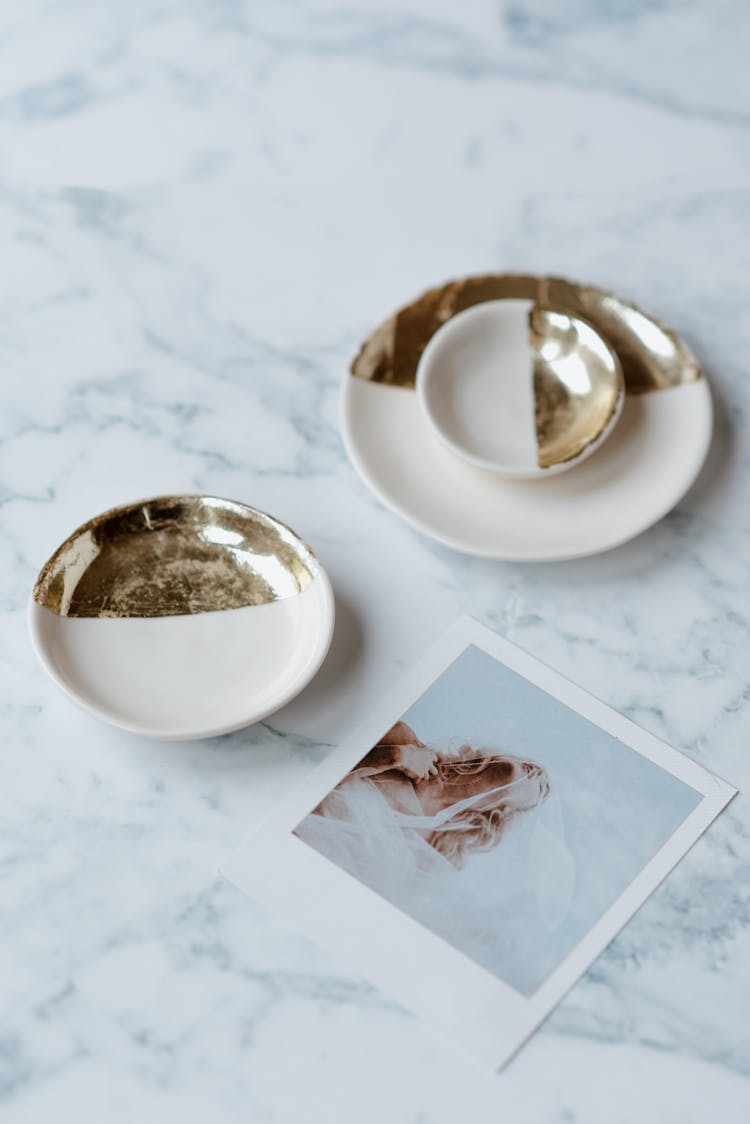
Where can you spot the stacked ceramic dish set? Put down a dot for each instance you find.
(512, 417)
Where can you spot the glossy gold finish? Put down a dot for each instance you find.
(171, 556)
(652, 356)
(578, 385)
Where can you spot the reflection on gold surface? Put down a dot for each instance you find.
(578, 385)
(171, 556)
(652, 356)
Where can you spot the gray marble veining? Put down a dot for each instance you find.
(203, 208)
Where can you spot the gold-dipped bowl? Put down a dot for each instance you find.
(519, 389)
(182, 616)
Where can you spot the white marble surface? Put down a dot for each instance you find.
(204, 206)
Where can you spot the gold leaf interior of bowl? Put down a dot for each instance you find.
(578, 385)
(652, 356)
(171, 556)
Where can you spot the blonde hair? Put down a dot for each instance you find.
(474, 830)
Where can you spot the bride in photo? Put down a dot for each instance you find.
(460, 840)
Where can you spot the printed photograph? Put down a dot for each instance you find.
(499, 818)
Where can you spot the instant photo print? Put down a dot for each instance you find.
(480, 839)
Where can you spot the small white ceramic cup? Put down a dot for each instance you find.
(519, 390)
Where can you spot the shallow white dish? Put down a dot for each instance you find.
(182, 617)
(519, 390)
(641, 471)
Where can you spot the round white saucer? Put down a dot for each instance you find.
(182, 617)
(636, 477)
(642, 470)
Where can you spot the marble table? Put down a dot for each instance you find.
(204, 207)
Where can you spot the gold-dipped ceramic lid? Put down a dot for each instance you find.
(172, 556)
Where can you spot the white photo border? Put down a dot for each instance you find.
(472, 1007)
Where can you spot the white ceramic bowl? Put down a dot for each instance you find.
(182, 616)
(518, 389)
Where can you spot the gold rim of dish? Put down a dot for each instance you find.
(652, 356)
(174, 555)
